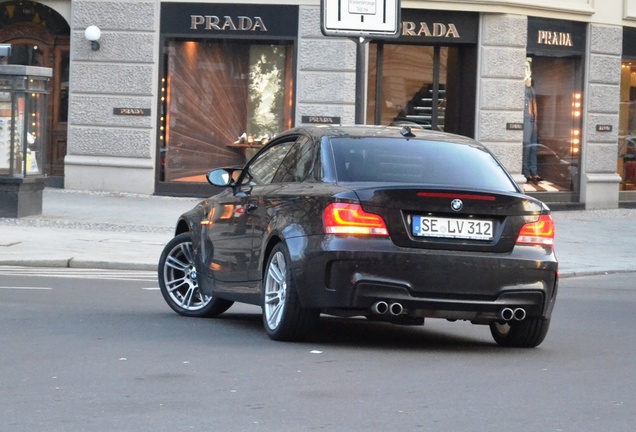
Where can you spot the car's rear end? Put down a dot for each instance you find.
(434, 228)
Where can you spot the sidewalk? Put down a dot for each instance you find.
(92, 230)
(128, 232)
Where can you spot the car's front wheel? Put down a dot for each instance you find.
(179, 284)
(284, 317)
(528, 333)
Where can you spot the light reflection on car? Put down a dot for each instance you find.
(395, 224)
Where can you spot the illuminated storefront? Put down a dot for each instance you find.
(427, 75)
(227, 85)
(553, 107)
(626, 160)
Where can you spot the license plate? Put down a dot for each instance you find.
(473, 229)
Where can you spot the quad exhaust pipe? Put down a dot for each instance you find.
(395, 309)
(509, 314)
(383, 307)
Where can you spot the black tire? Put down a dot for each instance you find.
(178, 281)
(528, 333)
(284, 318)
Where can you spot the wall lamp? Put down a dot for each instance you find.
(92, 35)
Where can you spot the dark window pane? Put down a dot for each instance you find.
(417, 161)
(261, 170)
(297, 164)
(64, 78)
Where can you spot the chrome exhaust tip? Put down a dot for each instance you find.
(506, 314)
(380, 307)
(519, 314)
(396, 309)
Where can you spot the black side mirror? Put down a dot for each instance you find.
(220, 177)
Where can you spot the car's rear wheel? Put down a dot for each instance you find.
(178, 281)
(528, 333)
(284, 317)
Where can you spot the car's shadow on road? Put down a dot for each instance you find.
(361, 333)
(365, 334)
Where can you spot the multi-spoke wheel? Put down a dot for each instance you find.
(179, 283)
(528, 333)
(283, 316)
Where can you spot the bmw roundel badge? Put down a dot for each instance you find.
(457, 204)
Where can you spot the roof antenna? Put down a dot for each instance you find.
(406, 132)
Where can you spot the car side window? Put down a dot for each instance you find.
(262, 169)
(297, 163)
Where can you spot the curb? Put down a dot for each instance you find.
(573, 274)
(81, 264)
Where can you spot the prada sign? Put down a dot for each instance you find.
(447, 27)
(547, 37)
(228, 20)
(555, 37)
(215, 23)
(444, 30)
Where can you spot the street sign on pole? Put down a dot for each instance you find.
(360, 18)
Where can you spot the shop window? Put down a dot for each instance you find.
(221, 100)
(427, 86)
(552, 124)
(627, 127)
(407, 84)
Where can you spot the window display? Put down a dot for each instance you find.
(552, 124)
(554, 72)
(221, 100)
(626, 166)
(23, 105)
(6, 149)
(530, 142)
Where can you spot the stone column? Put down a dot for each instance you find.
(106, 151)
(500, 88)
(599, 180)
(326, 71)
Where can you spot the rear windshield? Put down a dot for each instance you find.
(417, 161)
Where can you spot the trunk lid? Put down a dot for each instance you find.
(450, 219)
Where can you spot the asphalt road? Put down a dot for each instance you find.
(82, 350)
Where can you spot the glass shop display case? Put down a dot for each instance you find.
(23, 137)
(23, 114)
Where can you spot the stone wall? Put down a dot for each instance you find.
(599, 180)
(326, 71)
(500, 91)
(107, 151)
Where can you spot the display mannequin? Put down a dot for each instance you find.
(530, 136)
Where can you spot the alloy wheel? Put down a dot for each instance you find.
(275, 290)
(180, 277)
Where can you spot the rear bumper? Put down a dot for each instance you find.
(350, 274)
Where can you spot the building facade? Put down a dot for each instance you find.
(178, 87)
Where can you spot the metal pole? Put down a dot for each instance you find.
(360, 69)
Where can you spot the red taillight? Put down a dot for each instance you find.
(540, 232)
(343, 218)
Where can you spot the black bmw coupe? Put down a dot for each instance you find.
(392, 223)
